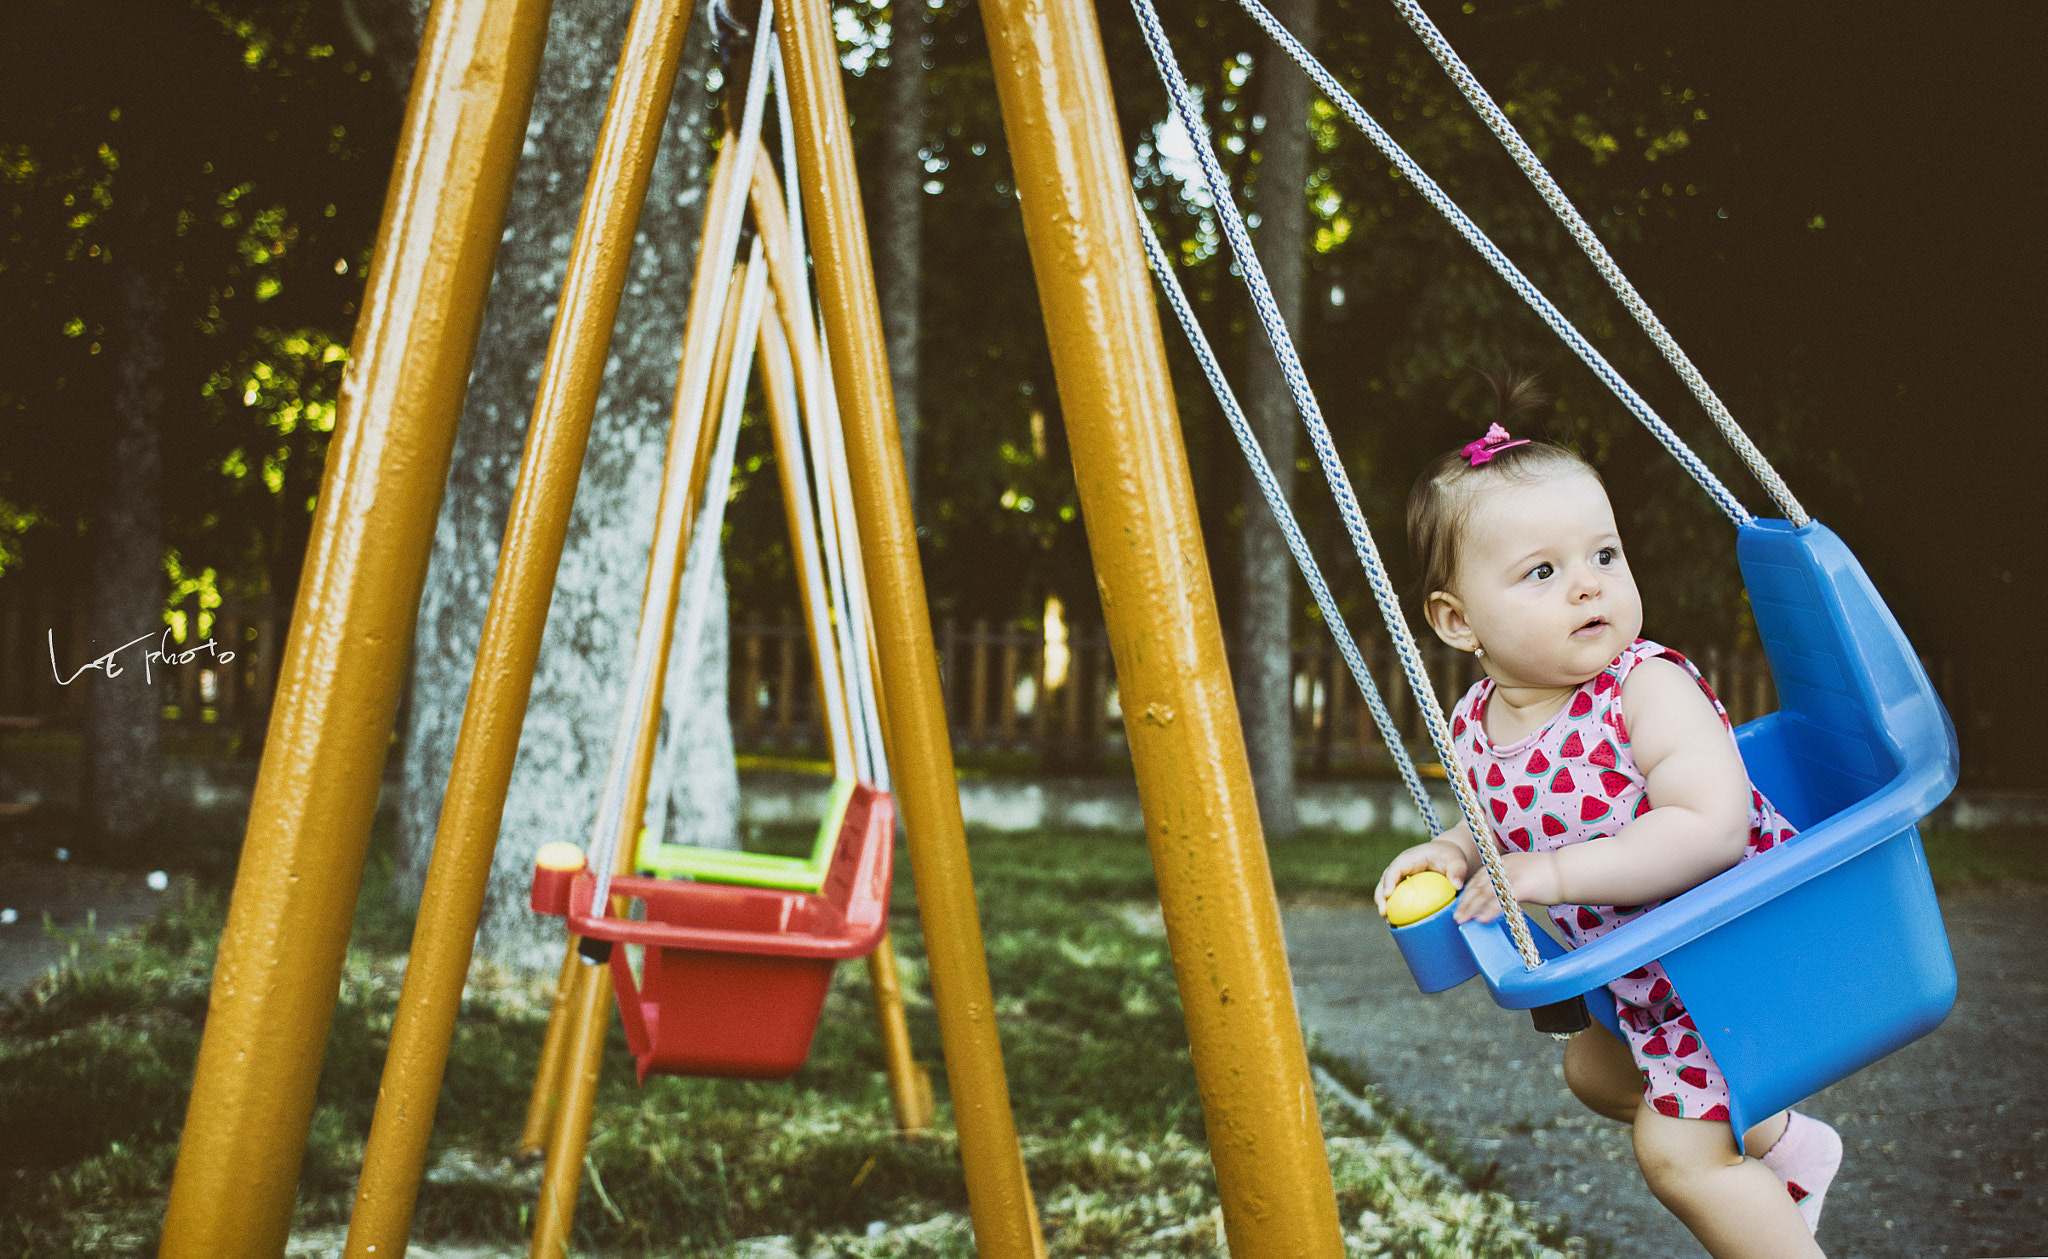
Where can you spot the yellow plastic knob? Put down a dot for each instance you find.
(559, 855)
(1418, 896)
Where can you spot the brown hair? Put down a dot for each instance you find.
(1441, 503)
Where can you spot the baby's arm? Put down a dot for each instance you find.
(1698, 821)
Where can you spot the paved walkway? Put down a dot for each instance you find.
(1946, 1141)
(70, 895)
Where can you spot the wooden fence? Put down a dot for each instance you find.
(1002, 696)
(1006, 695)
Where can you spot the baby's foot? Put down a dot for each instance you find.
(1806, 1158)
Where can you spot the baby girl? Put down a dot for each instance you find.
(1613, 783)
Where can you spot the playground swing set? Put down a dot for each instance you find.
(735, 950)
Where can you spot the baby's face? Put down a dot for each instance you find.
(1544, 584)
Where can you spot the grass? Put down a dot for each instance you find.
(1990, 859)
(95, 1065)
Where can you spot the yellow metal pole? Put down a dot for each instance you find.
(703, 343)
(1215, 885)
(910, 1088)
(309, 824)
(778, 384)
(998, 1193)
(591, 1009)
(590, 1022)
(540, 1107)
(488, 741)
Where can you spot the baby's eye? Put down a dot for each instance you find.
(1607, 555)
(1542, 572)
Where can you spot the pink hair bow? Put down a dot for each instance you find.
(1495, 441)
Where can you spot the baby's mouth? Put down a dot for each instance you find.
(1591, 627)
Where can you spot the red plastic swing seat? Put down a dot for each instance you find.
(732, 979)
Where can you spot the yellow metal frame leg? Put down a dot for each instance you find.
(910, 1086)
(998, 1193)
(591, 1008)
(540, 1107)
(590, 1021)
(281, 952)
(1215, 886)
(488, 741)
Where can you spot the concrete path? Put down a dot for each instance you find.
(1946, 1141)
(67, 896)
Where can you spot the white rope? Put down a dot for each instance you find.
(704, 540)
(1597, 254)
(794, 202)
(697, 592)
(810, 561)
(640, 679)
(1325, 446)
(1544, 308)
(1269, 487)
(855, 627)
(851, 624)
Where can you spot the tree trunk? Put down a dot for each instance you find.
(123, 764)
(578, 686)
(899, 211)
(1265, 680)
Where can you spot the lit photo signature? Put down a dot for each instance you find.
(165, 652)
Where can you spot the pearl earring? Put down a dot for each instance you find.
(1479, 653)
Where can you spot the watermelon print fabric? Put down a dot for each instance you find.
(1575, 780)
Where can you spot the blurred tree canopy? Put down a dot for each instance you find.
(263, 137)
(238, 151)
(1405, 314)
(268, 139)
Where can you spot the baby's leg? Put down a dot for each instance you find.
(1735, 1206)
(1602, 1074)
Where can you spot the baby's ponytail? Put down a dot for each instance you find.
(1441, 502)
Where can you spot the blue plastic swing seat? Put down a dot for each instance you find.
(1810, 963)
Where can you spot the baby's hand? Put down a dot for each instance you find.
(1439, 855)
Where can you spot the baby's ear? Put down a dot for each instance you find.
(1446, 615)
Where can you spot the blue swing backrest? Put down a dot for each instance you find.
(1856, 711)
(1824, 955)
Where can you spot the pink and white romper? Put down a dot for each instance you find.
(1575, 780)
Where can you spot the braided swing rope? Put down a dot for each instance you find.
(1596, 253)
(640, 680)
(1283, 514)
(1333, 471)
(697, 592)
(852, 619)
(1507, 270)
(859, 621)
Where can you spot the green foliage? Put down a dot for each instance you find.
(219, 163)
(2000, 859)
